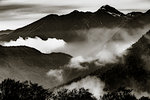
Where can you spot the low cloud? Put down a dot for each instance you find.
(4, 8)
(111, 51)
(93, 84)
(75, 62)
(141, 94)
(44, 46)
(57, 74)
(103, 45)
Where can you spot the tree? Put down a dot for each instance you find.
(15, 90)
(144, 98)
(65, 94)
(119, 94)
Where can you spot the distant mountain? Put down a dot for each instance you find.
(110, 10)
(137, 19)
(66, 27)
(5, 31)
(24, 63)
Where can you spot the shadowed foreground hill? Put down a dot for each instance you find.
(34, 57)
(24, 63)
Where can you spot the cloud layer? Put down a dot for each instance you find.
(47, 46)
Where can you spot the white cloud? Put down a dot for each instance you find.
(76, 61)
(141, 94)
(93, 84)
(112, 50)
(44, 46)
(56, 73)
(106, 56)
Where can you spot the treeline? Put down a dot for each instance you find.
(16, 90)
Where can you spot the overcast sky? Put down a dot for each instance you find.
(18, 13)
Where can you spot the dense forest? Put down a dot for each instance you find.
(16, 90)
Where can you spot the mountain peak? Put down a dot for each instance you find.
(110, 10)
(148, 12)
(106, 7)
(74, 12)
(133, 14)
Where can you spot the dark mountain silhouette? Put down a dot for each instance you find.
(2, 32)
(66, 27)
(138, 19)
(110, 10)
(29, 55)
(24, 63)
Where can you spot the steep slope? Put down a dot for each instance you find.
(23, 63)
(131, 71)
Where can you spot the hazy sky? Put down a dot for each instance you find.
(18, 13)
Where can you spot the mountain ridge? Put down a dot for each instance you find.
(66, 26)
(25, 63)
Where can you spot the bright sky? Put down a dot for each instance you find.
(18, 13)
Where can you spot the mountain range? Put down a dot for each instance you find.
(66, 27)
(109, 25)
